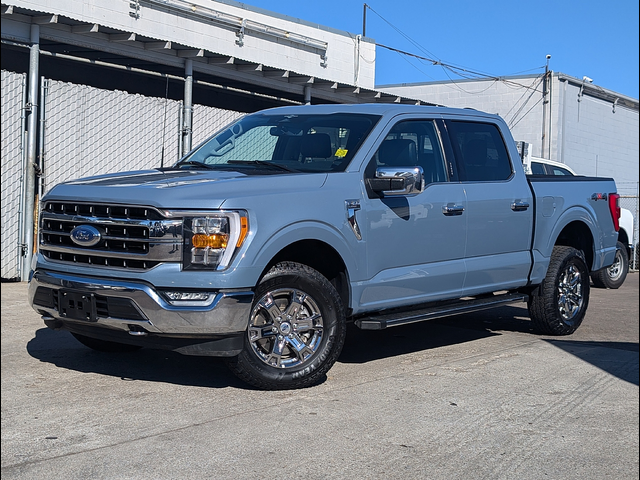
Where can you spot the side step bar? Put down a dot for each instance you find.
(379, 322)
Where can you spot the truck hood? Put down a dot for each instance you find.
(180, 189)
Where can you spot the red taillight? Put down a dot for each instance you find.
(614, 208)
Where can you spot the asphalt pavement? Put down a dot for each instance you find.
(475, 396)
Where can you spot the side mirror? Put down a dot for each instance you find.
(390, 181)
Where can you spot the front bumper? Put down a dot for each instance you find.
(134, 307)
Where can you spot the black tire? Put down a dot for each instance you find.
(296, 330)
(614, 275)
(104, 345)
(559, 304)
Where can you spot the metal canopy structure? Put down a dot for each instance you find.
(101, 56)
(215, 53)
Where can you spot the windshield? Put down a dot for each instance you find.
(284, 143)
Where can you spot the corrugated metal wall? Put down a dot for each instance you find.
(89, 131)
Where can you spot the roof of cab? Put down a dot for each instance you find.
(383, 109)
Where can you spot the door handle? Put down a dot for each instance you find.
(451, 209)
(519, 206)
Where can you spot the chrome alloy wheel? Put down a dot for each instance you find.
(285, 328)
(570, 292)
(615, 270)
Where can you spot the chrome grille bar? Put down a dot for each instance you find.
(132, 236)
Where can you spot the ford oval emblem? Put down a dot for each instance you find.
(85, 235)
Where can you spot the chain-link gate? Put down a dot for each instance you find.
(13, 101)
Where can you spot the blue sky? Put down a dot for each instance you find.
(494, 37)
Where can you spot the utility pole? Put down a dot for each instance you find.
(545, 102)
(364, 20)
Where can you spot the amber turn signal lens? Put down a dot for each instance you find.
(211, 241)
(244, 229)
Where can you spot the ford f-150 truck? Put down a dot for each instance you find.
(266, 240)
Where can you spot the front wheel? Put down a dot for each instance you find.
(559, 304)
(296, 330)
(614, 275)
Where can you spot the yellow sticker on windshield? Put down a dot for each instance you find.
(341, 152)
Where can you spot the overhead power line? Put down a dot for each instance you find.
(460, 71)
(463, 72)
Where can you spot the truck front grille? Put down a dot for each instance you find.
(128, 237)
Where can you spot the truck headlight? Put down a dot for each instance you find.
(211, 239)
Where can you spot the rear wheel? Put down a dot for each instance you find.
(614, 275)
(104, 345)
(559, 304)
(296, 330)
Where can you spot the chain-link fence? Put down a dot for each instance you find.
(88, 131)
(91, 131)
(632, 203)
(13, 91)
(208, 120)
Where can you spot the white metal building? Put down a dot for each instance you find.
(589, 128)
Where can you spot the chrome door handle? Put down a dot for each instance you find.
(519, 206)
(451, 209)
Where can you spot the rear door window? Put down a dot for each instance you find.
(480, 151)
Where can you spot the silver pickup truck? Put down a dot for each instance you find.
(262, 243)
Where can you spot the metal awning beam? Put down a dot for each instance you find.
(129, 45)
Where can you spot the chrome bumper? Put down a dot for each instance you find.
(139, 308)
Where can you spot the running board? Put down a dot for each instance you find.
(379, 322)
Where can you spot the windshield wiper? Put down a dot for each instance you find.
(195, 163)
(261, 163)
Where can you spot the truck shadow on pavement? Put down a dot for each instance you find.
(364, 346)
(619, 359)
(61, 349)
(64, 351)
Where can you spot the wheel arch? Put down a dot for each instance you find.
(321, 257)
(579, 236)
(316, 245)
(578, 228)
(623, 237)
